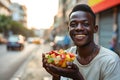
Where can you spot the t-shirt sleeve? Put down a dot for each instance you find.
(112, 71)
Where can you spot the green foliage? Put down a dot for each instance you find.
(4, 23)
(7, 24)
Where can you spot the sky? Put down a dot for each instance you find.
(40, 13)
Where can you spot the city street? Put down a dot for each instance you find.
(30, 28)
(34, 69)
(11, 61)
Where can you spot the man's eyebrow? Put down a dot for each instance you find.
(78, 21)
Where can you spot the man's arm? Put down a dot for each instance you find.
(56, 78)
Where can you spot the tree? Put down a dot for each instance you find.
(7, 25)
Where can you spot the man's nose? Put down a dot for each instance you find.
(80, 26)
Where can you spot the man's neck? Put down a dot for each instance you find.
(86, 50)
(86, 54)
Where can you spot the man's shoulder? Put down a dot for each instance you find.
(108, 54)
(107, 51)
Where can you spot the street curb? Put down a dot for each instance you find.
(20, 71)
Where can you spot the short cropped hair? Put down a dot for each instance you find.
(83, 7)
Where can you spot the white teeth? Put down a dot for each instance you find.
(80, 35)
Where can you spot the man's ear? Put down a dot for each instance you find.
(95, 28)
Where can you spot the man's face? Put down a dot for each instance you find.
(81, 28)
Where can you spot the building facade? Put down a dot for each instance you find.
(108, 18)
(4, 7)
(19, 13)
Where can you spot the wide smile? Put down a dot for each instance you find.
(80, 36)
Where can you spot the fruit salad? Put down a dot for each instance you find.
(59, 57)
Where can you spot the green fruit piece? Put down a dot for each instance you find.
(50, 60)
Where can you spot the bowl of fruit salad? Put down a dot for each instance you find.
(59, 57)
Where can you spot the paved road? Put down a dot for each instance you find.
(34, 69)
(10, 61)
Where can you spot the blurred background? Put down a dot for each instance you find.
(48, 20)
(28, 24)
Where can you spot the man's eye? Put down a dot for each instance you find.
(73, 24)
(86, 24)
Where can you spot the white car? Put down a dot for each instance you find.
(15, 42)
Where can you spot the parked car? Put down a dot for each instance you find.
(58, 42)
(34, 40)
(30, 40)
(15, 42)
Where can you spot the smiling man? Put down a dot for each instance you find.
(93, 62)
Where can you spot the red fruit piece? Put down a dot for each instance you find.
(63, 56)
(72, 55)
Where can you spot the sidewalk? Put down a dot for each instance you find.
(34, 69)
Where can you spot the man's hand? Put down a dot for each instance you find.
(71, 71)
(46, 66)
